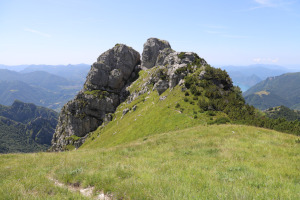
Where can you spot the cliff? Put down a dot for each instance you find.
(109, 83)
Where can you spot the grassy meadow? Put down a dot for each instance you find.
(164, 149)
(203, 162)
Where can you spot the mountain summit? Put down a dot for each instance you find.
(109, 83)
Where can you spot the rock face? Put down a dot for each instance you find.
(168, 67)
(104, 90)
(151, 51)
(107, 82)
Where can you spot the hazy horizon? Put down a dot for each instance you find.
(241, 66)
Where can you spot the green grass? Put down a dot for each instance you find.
(203, 162)
(152, 116)
(162, 151)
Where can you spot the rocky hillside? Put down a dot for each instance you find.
(276, 91)
(25, 127)
(110, 82)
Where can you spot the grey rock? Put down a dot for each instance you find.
(201, 75)
(151, 51)
(108, 117)
(162, 55)
(112, 69)
(134, 107)
(125, 111)
(181, 82)
(161, 86)
(115, 79)
(104, 90)
(162, 98)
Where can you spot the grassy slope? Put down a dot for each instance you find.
(225, 161)
(152, 116)
(156, 152)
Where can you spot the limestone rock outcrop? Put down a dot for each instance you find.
(151, 51)
(108, 82)
(104, 90)
(170, 66)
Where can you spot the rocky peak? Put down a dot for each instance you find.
(108, 84)
(104, 90)
(112, 69)
(151, 51)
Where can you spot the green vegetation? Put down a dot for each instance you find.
(281, 90)
(283, 112)
(264, 102)
(203, 162)
(97, 93)
(25, 127)
(73, 138)
(215, 92)
(181, 147)
(181, 55)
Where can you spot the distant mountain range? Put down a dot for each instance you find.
(43, 85)
(247, 76)
(25, 127)
(75, 73)
(70, 72)
(38, 78)
(275, 91)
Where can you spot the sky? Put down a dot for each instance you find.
(231, 32)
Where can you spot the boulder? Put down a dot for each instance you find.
(125, 111)
(112, 69)
(151, 51)
(161, 86)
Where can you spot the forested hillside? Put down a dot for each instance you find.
(275, 91)
(25, 127)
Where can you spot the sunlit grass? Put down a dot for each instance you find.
(204, 162)
(162, 151)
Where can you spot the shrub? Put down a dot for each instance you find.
(180, 70)
(203, 104)
(211, 113)
(177, 105)
(181, 55)
(222, 120)
(201, 110)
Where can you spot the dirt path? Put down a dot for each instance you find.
(87, 192)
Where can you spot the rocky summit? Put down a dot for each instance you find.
(104, 89)
(108, 82)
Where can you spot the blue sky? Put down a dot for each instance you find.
(228, 32)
